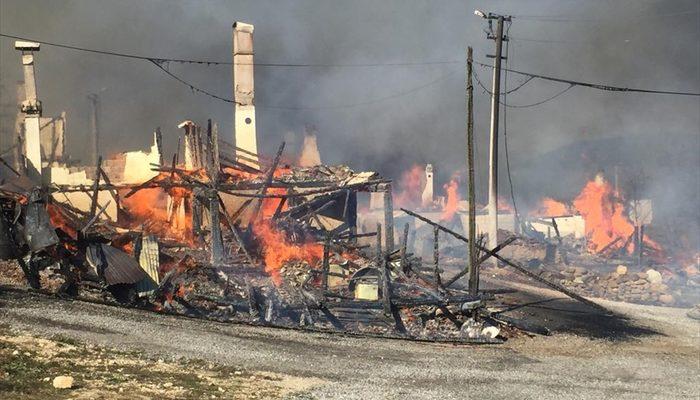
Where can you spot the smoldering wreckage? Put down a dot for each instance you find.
(228, 234)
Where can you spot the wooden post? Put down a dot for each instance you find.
(379, 246)
(560, 247)
(640, 244)
(326, 263)
(473, 267)
(215, 151)
(215, 241)
(388, 220)
(404, 245)
(436, 256)
(96, 191)
(159, 145)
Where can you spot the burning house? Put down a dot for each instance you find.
(222, 231)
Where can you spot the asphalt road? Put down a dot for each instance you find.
(653, 354)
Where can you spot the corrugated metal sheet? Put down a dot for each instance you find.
(118, 267)
(148, 259)
(38, 231)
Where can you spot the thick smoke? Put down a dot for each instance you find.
(554, 147)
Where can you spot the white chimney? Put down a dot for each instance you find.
(31, 107)
(427, 196)
(244, 91)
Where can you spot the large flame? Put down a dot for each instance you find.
(147, 207)
(549, 207)
(269, 205)
(606, 222)
(603, 212)
(451, 201)
(277, 250)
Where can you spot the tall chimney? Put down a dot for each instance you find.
(31, 107)
(244, 92)
(427, 195)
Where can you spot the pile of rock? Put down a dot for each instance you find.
(645, 287)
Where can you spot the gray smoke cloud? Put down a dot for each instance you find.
(388, 118)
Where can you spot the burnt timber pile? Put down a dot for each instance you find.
(261, 242)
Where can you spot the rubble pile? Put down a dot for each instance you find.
(620, 278)
(223, 238)
(624, 284)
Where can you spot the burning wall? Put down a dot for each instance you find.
(606, 222)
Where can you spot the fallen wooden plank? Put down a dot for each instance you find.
(512, 264)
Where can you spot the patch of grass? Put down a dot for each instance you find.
(65, 340)
(100, 372)
(22, 375)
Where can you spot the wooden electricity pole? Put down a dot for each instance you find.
(95, 125)
(473, 271)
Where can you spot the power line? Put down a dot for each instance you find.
(519, 39)
(592, 85)
(476, 78)
(197, 89)
(160, 61)
(214, 62)
(569, 18)
(188, 84)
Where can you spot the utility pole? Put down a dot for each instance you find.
(493, 140)
(95, 125)
(473, 271)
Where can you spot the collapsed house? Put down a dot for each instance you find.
(221, 231)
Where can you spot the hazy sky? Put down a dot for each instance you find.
(382, 118)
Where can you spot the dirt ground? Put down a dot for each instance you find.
(652, 352)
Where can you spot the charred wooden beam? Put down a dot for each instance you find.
(449, 315)
(562, 251)
(386, 288)
(612, 243)
(113, 192)
(404, 245)
(481, 259)
(234, 232)
(268, 180)
(436, 256)
(95, 217)
(388, 219)
(216, 245)
(253, 302)
(326, 263)
(514, 265)
(96, 186)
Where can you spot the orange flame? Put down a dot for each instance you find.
(60, 221)
(269, 205)
(549, 207)
(504, 205)
(606, 221)
(277, 250)
(148, 207)
(602, 212)
(450, 208)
